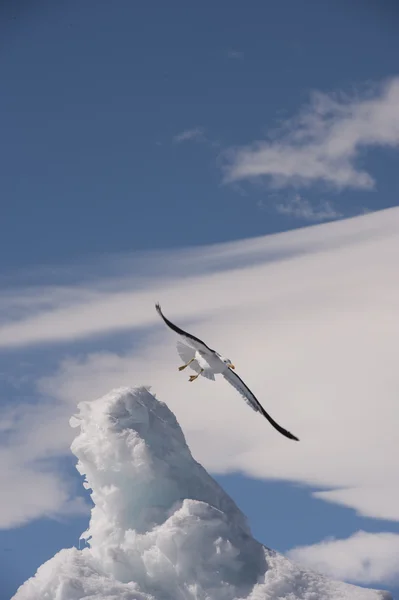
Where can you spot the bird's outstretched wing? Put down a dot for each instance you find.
(190, 339)
(250, 399)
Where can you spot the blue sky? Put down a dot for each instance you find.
(90, 93)
(132, 128)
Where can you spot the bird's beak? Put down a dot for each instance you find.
(231, 366)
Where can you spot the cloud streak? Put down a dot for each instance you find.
(323, 143)
(208, 276)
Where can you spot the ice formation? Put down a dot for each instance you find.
(161, 528)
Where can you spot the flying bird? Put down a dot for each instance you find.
(207, 362)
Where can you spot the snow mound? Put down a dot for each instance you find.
(161, 528)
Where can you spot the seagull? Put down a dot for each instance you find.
(207, 362)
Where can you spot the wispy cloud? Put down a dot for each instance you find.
(190, 135)
(301, 208)
(300, 291)
(66, 313)
(366, 558)
(235, 54)
(323, 143)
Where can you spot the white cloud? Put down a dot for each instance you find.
(366, 558)
(309, 317)
(323, 143)
(190, 135)
(29, 493)
(376, 500)
(301, 208)
(31, 486)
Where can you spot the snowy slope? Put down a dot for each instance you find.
(161, 527)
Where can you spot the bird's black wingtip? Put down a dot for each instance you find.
(287, 434)
(158, 308)
(290, 435)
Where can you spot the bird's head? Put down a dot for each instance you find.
(228, 362)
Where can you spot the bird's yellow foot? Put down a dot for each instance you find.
(186, 365)
(193, 377)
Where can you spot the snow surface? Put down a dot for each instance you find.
(161, 527)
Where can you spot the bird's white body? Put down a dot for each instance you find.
(206, 364)
(212, 363)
